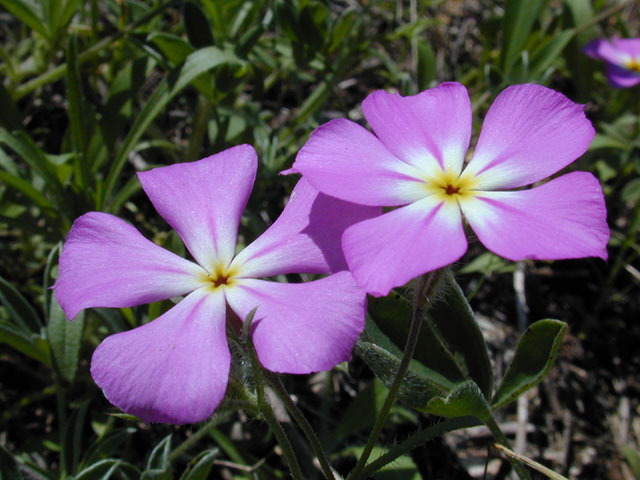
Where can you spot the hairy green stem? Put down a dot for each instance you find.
(426, 285)
(213, 422)
(303, 423)
(285, 444)
(264, 406)
(417, 439)
(522, 472)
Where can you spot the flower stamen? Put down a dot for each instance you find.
(633, 65)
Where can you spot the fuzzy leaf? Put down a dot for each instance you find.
(159, 466)
(534, 357)
(464, 400)
(66, 339)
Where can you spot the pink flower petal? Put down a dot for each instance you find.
(390, 250)
(173, 369)
(433, 127)
(306, 238)
(529, 133)
(604, 49)
(302, 327)
(621, 77)
(204, 200)
(105, 262)
(344, 160)
(564, 218)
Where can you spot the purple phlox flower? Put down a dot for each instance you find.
(415, 161)
(622, 59)
(175, 368)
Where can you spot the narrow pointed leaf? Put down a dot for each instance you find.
(22, 314)
(10, 117)
(196, 25)
(107, 468)
(72, 439)
(202, 466)
(518, 20)
(534, 357)
(27, 13)
(197, 63)
(77, 115)
(31, 345)
(66, 339)
(27, 190)
(159, 466)
(455, 325)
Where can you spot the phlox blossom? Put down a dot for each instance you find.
(416, 162)
(622, 59)
(175, 368)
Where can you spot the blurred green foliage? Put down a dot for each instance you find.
(94, 91)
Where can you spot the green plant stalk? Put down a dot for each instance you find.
(491, 423)
(213, 422)
(91, 52)
(425, 287)
(264, 407)
(418, 439)
(201, 118)
(303, 423)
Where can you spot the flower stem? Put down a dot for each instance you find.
(522, 472)
(264, 407)
(303, 423)
(418, 439)
(213, 422)
(283, 440)
(426, 285)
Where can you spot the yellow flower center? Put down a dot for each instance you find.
(633, 65)
(220, 276)
(450, 187)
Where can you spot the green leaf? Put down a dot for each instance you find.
(196, 25)
(488, 262)
(107, 445)
(28, 13)
(421, 383)
(363, 410)
(174, 48)
(28, 151)
(8, 466)
(450, 347)
(10, 117)
(632, 457)
(28, 191)
(426, 64)
(197, 63)
(31, 345)
(312, 25)
(203, 463)
(159, 466)
(20, 310)
(78, 118)
(401, 468)
(454, 323)
(105, 469)
(518, 20)
(543, 57)
(464, 400)
(66, 339)
(72, 440)
(534, 357)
